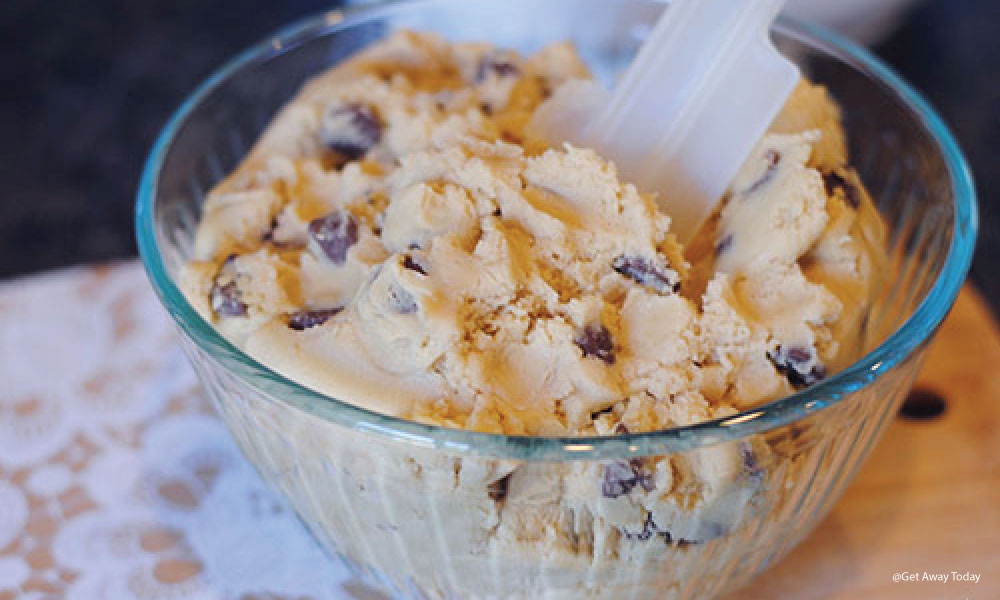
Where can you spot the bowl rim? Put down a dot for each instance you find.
(907, 338)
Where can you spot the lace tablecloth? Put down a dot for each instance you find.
(116, 479)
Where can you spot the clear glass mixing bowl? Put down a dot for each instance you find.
(433, 512)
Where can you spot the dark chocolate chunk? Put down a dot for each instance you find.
(496, 64)
(335, 234)
(793, 363)
(833, 181)
(922, 404)
(409, 263)
(227, 300)
(648, 273)
(401, 300)
(351, 130)
(497, 490)
(724, 244)
(595, 340)
(304, 319)
(620, 477)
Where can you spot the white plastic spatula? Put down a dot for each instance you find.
(699, 95)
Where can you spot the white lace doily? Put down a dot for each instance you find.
(116, 479)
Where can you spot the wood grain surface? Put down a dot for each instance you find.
(928, 498)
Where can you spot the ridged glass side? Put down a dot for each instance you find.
(423, 522)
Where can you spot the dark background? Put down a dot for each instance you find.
(85, 86)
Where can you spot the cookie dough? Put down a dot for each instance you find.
(399, 239)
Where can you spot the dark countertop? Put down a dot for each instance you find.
(87, 85)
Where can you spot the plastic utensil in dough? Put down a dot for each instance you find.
(699, 95)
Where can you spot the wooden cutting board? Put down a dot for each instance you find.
(927, 500)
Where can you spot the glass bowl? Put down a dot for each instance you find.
(430, 512)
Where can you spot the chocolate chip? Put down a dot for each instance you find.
(409, 263)
(922, 404)
(751, 465)
(648, 273)
(227, 300)
(748, 457)
(351, 130)
(305, 319)
(682, 543)
(724, 244)
(497, 490)
(833, 181)
(401, 300)
(649, 529)
(798, 355)
(268, 236)
(620, 477)
(793, 363)
(595, 340)
(604, 411)
(496, 64)
(335, 234)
